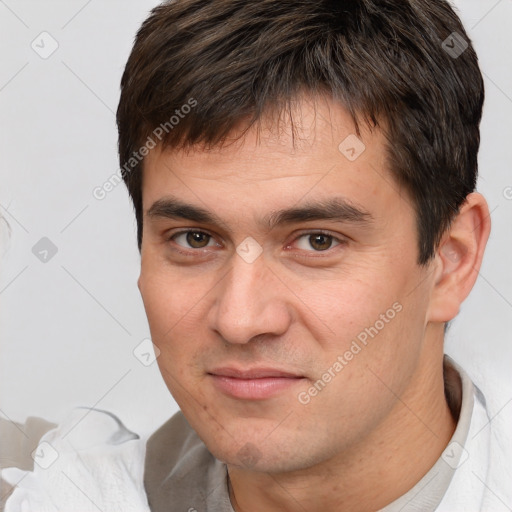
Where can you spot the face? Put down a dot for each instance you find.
(280, 280)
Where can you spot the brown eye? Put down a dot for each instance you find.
(197, 239)
(192, 239)
(316, 241)
(320, 242)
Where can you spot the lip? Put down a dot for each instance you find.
(252, 373)
(253, 383)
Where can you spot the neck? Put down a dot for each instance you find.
(369, 476)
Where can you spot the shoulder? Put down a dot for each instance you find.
(482, 471)
(173, 451)
(178, 464)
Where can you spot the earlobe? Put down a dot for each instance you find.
(459, 258)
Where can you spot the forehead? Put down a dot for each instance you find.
(313, 153)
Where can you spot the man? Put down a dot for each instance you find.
(303, 176)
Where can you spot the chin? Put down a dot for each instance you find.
(262, 457)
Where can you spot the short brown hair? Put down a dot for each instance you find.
(408, 63)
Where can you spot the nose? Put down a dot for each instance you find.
(251, 301)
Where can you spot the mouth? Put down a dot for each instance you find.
(253, 383)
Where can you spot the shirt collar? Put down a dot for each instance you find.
(428, 493)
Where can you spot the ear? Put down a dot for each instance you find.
(459, 257)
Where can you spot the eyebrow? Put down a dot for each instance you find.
(336, 208)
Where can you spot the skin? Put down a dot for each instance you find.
(381, 422)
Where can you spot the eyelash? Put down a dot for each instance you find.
(179, 248)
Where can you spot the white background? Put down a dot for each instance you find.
(68, 327)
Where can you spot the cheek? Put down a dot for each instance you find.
(350, 306)
(376, 325)
(175, 308)
(171, 299)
